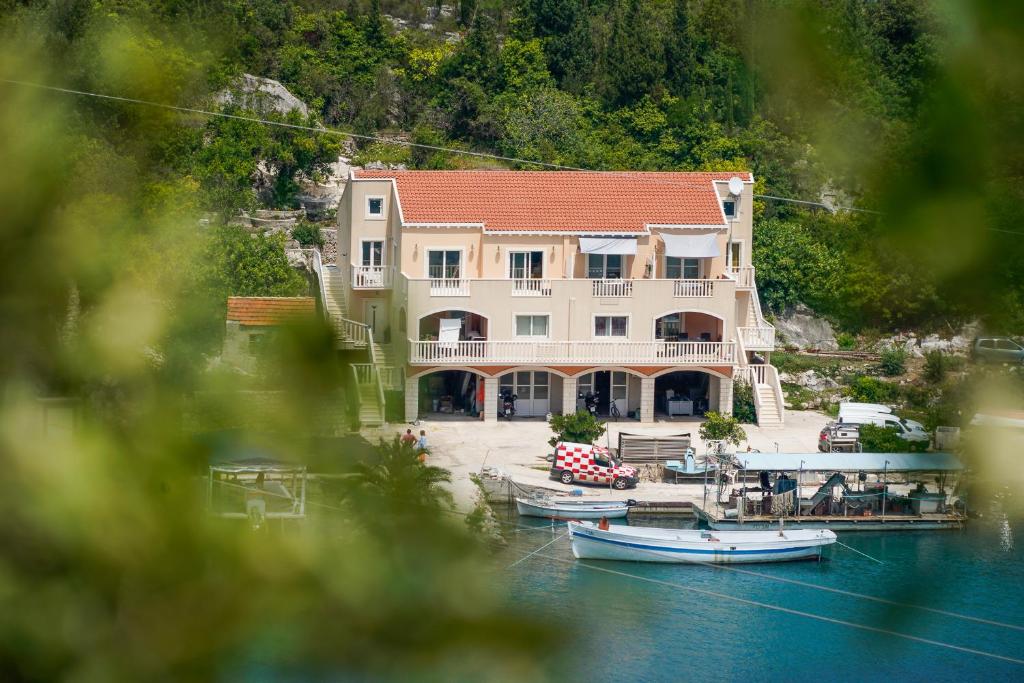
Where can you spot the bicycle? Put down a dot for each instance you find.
(613, 411)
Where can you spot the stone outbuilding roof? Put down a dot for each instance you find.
(269, 310)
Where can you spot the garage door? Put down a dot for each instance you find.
(532, 389)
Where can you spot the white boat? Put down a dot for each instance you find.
(572, 509)
(645, 544)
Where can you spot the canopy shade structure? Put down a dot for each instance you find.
(626, 246)
(448, 329)
(691, 246)
(849, 462)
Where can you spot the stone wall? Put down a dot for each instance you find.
(330, 249)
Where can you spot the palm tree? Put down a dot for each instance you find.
(399, 478)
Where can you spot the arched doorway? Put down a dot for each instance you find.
(450, 393)
(618, 386)
(682, 393)
(689, 326)
(470, 326)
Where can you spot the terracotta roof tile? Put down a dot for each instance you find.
(269, 310)
(573, 201)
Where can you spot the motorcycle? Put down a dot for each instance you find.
(590, 400)
(508, 404)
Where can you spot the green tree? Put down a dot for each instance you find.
(718, 427)
(243, 264)
(578, 427)
(397, 474)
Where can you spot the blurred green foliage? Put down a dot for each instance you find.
(875, 439)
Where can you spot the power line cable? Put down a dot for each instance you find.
(375, 138)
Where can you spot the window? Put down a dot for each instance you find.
(668, 327)
(257, 342)
(1006, 345)
(987, 344)
(444, 264)
(531, 326)
(735, 254)
(604, 266)
(524, 265)
(373, 253)
(375, 207)
(611, 326)
(682, 268)
(729, 206)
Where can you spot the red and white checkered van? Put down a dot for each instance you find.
(591, 464)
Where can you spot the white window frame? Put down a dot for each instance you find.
(383, 207)
(543, 264)
(515, 326)
(735, 208)
(604, 267)
(728, 254)
(462, 261)
(383, 250)
(682, 267)
(609, 337)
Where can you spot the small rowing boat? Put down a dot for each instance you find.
(645, 544)
(572, 509)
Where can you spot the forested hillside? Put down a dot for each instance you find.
(905, 108)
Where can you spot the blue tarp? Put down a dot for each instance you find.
(850, 462)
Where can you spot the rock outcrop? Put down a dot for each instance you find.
(801, 328)
(261, 95)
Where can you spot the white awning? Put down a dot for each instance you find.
(448, 330)
(608, 245)
(691, 246)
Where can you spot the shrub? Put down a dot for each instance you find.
(894, 361)
(875, 439)
(307, 234)
(578, 427)
(743, 408)
(872, 390)
(935, 366)
(718, 427)
(846, 341)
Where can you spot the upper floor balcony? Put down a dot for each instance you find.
(483, 352)
(372, 277)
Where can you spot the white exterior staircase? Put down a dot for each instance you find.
(763, 378)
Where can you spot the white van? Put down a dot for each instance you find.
(851, 410)
(906, 430)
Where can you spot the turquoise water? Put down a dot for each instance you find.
(620, 628)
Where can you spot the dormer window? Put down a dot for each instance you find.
(375, 207)
(729, 206)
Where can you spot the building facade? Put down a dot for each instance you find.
(635, 286)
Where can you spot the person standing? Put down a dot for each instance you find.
(408, 439)
(421, 445)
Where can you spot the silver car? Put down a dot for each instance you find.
(997, 350)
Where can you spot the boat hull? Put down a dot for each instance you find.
(689, 547)
(571, 511)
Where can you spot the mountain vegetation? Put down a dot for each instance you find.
(889, 106)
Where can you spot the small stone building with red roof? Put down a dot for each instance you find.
(253, 320)
(634, 286)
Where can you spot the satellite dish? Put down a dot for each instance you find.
(735, 186)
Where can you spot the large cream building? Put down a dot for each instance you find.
(637, 286)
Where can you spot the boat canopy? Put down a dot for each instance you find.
(850, 462)
(625, 246)
(691, 246)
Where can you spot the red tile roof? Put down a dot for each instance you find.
(573, 201)
(269, 310)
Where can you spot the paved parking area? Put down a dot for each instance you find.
(519, 448)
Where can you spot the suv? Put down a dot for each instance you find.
(997, 350)
(591, 464)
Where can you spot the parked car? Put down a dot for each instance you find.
(906, 430)
(591, 464)
(997, 350)
(869, 407)
(836, 437)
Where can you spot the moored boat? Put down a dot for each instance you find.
(644, 544)
(571, 509)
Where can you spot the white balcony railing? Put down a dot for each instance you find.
(371, 277)
(757, 338)
(391, 377)
(695, 288)
(612, 288)
(531, 287)
(744, 276)
(448, 286)
(572, 352)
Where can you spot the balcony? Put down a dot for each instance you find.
(372, 277)
(612, 288)
(703, 288)
(571, 352)
(757, 338)
(744, 277)
(449, 286)
(531, 287)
